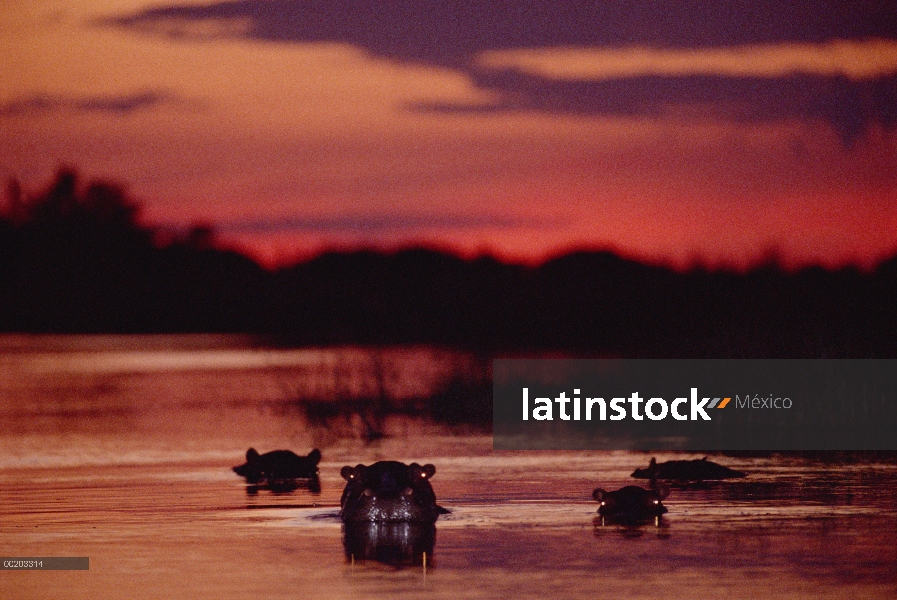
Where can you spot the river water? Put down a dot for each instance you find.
(120, 448)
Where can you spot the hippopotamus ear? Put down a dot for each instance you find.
(251, 455)
(662, 491)
(355, 473)
(421, 472)
(598, 494)
(314, 456)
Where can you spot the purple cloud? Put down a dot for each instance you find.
(453, 34)
(116, 105)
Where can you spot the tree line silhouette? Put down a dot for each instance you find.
(76, 259)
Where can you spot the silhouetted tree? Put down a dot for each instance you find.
(77, 259)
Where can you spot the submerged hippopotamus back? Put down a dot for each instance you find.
(278, 465)
(687, 470)
(389, 491)
(631, 503)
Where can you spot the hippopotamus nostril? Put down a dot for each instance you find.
(407, 491)
(367, 492)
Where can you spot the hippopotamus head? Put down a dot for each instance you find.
(278, 465)
(699, 469)
(389, 491)
(631, 502)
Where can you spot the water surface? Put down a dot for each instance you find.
(120, 449)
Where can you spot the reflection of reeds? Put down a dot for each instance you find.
(465, 399)
(354, 418)
(361, 397)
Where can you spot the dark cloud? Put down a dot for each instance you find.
(385, 223)
(452, 33)
(849, 106)
(116, 105)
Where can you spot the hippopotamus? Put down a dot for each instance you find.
(389, 491)
(278, 465)
(687, 470)
(631, 503)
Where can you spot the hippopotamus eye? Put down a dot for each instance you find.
(603, 503)
(657, 502)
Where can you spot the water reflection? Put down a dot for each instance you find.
(126, 463)
(285, 486)
(630, 528)
(395, 544)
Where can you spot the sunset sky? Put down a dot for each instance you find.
(678, 132)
